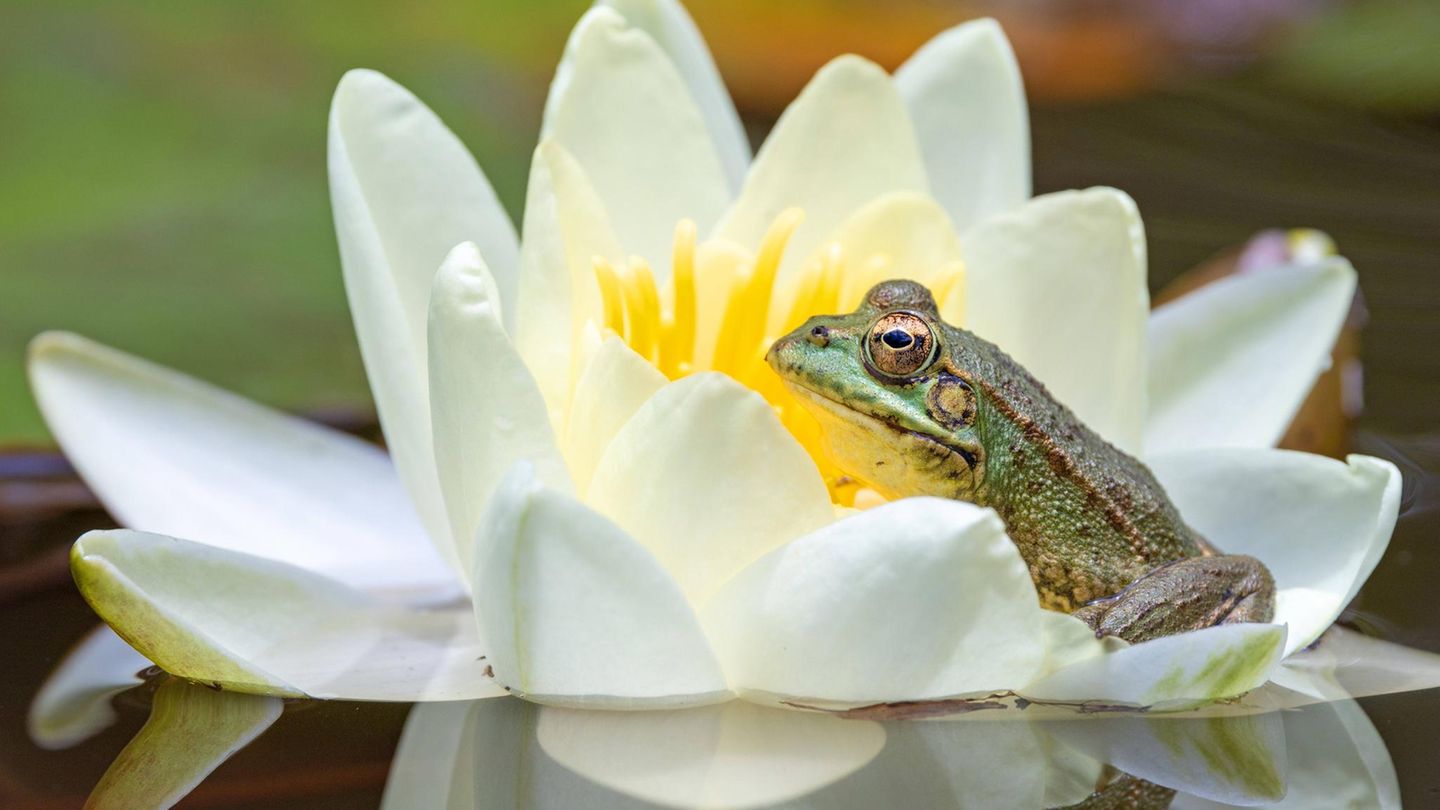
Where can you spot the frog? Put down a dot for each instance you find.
(909, 405)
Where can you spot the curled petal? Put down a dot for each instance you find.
(1318, 524)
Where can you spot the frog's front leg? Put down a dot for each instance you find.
(1185, 595)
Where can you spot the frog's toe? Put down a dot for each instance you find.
(1185, 595)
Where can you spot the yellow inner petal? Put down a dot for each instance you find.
(665, 330)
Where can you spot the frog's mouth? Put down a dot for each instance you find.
(871, 423)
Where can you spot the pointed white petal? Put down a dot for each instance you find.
(909, 231)
(170, 454)
(964, 93)
(404, 192)
(486, 409)
(192, 730)
(1318, 524)
(577, 613)
(843, 142)
(565, 229)
(254, 625)
(1230, 363)
(733, 755)
(1171, 673)
(706, 478)
(74, 703)
(615, 383)
(918, 598)
(1059, 284)
(619, 105)
(667, 22)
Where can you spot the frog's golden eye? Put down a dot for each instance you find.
(900, 344)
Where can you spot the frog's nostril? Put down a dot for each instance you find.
(819, 336)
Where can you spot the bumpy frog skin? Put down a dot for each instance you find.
(912, 406)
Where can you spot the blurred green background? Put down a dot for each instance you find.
(162, 164)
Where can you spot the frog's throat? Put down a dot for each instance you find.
(818, 401)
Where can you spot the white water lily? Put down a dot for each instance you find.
(595, 507)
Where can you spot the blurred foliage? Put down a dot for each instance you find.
(162, 172)
(1382, 54)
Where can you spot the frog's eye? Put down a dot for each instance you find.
(900, 344)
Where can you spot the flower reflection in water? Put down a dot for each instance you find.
(1303, 743)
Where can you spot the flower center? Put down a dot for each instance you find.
(731, 326)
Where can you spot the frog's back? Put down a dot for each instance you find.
(1088, 517)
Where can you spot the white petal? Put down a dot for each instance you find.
(968, 764)
(404, 192)
(1240, 760)
(486, 409)
(1059, 285)
(966, 99)
(192, 730)
(843, 142)
(254, 625)
(1231, 362)
(577, 613)
(74, 703)
(733, 755)
(1319, 525)
(706, 478)
(619, 105)
(667, 22)
(429, 763)
(170, 454)
(1336, 758)
(615, 383)
(1171, 673)
(1344, 663)
(910, 231)
(915, 599)
(565, 229)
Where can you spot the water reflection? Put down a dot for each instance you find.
(506, 753)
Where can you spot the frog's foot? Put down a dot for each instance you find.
(1185, 595)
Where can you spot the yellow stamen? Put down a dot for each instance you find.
(611, 297)
(678, 347)
(642, 309)
(743, 328)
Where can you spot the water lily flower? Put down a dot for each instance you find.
(596, 495)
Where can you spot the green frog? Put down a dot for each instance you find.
(910, 405)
